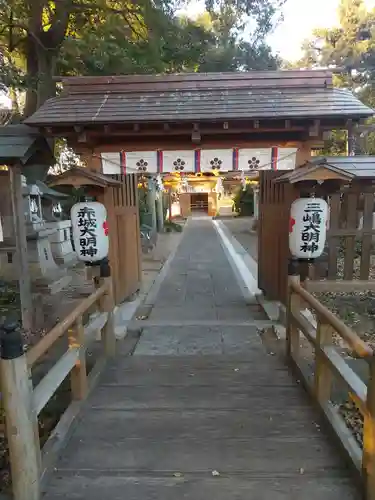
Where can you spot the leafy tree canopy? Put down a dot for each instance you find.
(350, 49)
(43, 38)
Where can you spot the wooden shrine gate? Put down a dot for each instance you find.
(275, 200)
(125, 246)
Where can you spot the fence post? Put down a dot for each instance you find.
(107, 304)
(292, 333)
(323, 374)
(21, 422)
(368, 460)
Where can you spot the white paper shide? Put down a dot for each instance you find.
(90, 231)
(308, 227)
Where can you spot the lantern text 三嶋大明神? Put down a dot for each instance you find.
(312, 220)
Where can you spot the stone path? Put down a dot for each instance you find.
(200, 410)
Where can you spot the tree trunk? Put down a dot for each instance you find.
(40, 68)
(32, 77)
(46, 70)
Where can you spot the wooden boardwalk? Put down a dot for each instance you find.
(200, 411)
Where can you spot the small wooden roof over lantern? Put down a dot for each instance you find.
(325, 175)
(83, 177)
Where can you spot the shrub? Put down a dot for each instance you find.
(244, 201)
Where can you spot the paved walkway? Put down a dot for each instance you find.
(200, 410)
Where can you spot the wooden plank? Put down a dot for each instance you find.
(200, 396)
(351, 223)
(367, 238)
(83, 82)
(346, 374)
(328, 486)
(305, 326)
(51, 382)
(21, 256)
(323, 374)
(228, 456)
(333, 242)
(200, 424)
(189, 378)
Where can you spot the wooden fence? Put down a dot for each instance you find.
(349, 249)
(23, 403)
(330, 366)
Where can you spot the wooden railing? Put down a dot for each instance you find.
(330, 365)
(23, 402)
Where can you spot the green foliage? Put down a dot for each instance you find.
(42, 38)
(350, 46)
(142, 203)
(336, 145)
(244, 201)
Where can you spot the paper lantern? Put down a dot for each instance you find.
(308, 227)
(90, 231)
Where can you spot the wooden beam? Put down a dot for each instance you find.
(160, 128)
(183, 131)
(22, 262)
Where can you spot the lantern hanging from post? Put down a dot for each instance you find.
(90, 231)
(308, 227)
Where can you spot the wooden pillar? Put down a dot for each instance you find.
(21, 246)
(293, 303)
(107, 304)
(21, 421)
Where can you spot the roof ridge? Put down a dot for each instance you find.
(199, 81)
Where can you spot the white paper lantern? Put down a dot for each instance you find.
(308, 227)
(90, 231)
